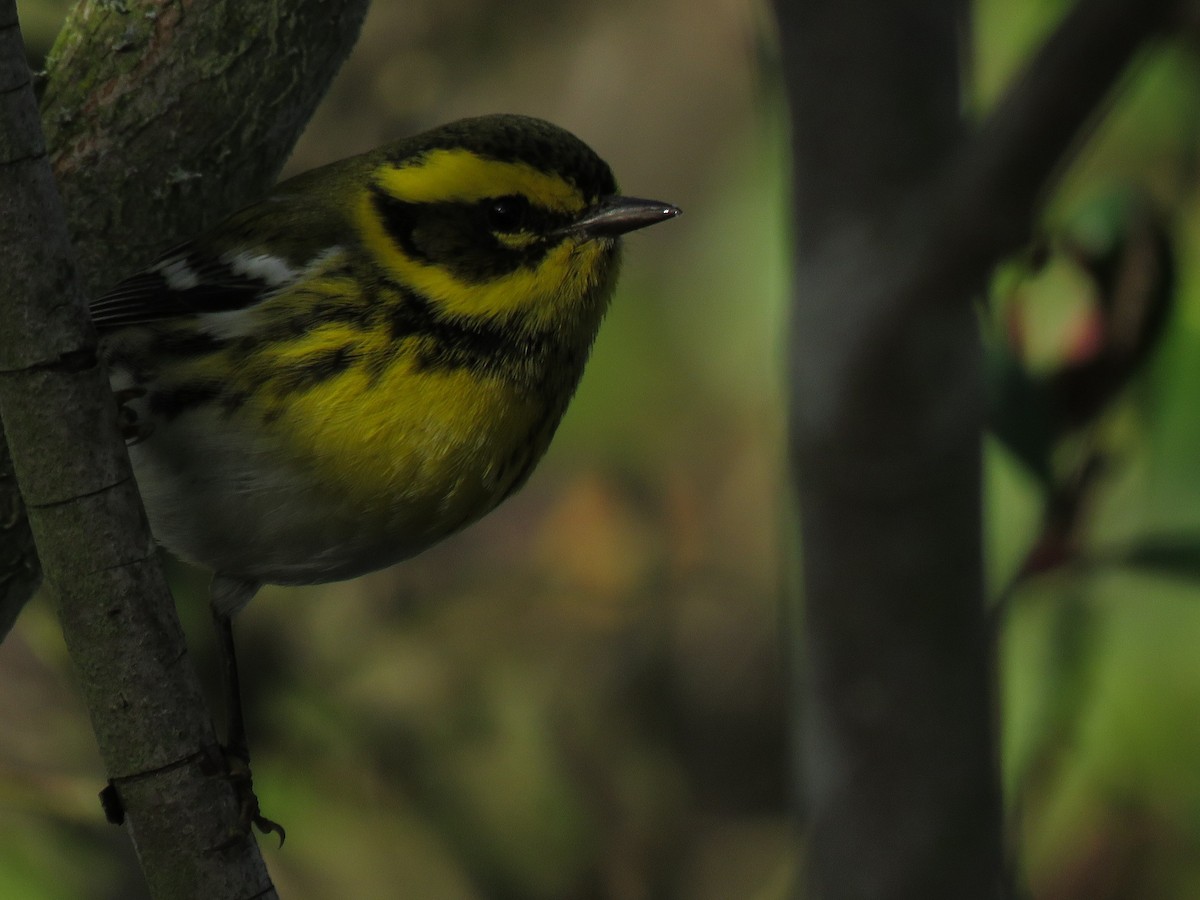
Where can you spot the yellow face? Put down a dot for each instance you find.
(481, 237)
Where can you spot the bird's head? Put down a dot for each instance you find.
(503, 218)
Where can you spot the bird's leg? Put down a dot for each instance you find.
(231, 685)
(236, 747)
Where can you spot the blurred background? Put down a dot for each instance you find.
(583, 696)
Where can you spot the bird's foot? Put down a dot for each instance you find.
(236, 770)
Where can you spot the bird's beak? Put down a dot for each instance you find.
(613, 216)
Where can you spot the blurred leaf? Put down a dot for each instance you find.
(1171, 555)
(1118, 242)
(1120, 239)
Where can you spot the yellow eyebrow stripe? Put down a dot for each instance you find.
(460, 176)
(567, 271)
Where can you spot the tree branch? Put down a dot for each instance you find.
(900, 218)
(992, 193)
(193, 114)
(114, 606)
(195, 105)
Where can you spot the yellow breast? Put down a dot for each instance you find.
(424, 449)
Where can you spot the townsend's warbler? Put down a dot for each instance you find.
(370, 358)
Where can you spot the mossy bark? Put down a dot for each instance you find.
(159, 117)
(162, 116)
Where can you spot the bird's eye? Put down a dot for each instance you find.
(508, 215)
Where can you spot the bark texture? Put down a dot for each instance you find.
(161, 117)
(900, 215)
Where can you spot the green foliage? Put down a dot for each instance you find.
(581, 696)
(1097, 404)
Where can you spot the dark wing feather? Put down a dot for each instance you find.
(184, 282)
(229, 267)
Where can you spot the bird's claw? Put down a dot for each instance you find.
(237, 773)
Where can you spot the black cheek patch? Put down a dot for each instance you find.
(458, 237)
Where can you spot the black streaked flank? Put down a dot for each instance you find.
(170, 343)
(296, 377)
(325, 309)
(311, 370)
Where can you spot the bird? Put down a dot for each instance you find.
(365, 361)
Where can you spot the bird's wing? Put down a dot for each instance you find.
(227, 268)
(188, 281)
